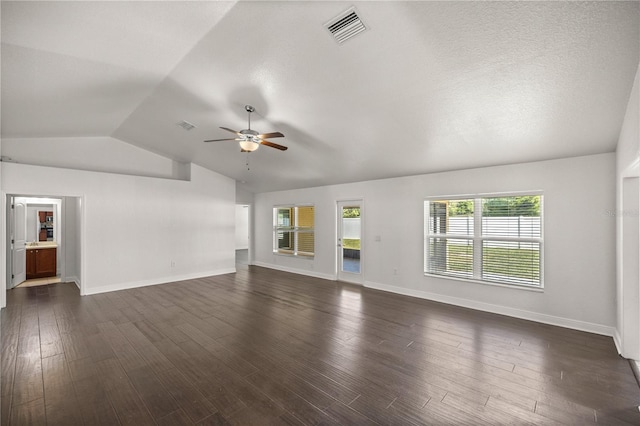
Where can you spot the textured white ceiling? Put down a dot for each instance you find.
(430, 86)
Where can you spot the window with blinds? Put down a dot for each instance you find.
(293, 230)
(494, 239)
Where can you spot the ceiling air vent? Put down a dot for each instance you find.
(186, 125)
(345, 26)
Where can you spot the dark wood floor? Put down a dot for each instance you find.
(266, 347)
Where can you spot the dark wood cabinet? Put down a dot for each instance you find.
(41, 263)
(31, 263)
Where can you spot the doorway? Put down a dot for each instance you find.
(42, 240)
(35, 240)
(242, 235)
(350, 248)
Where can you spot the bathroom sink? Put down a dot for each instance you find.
(41, 245)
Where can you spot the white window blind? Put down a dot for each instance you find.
(493, 238)
(450, 241)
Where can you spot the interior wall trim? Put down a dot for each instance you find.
(74, 280)
(617, 340)
(498, 309)
(635, 366)
(330, 277)
(155, 281)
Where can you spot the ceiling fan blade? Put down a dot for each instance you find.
(274, 145)
(219, 140)
(229, 130)
(271, 135)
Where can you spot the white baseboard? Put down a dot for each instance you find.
(331, 277)
(617, 339)
(497, 309)
(156, 281)
(74, 280)
(635, 366)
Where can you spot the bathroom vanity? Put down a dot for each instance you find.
(41, 260)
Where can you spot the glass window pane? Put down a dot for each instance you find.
(305, 217)
(351, 212)
(511, 262)
(285, 217)
(517, 217)
(451, 217)
(285, 240)
(451, 256)
(306, 242)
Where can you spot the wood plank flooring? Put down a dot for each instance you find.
(266, 347)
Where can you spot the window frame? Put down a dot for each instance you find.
(477, 239)
(294, 229)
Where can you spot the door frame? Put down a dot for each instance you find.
(5, 269)
(57, 203)
(349, 277)
(249, 207)
(12, 281)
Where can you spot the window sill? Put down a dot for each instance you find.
(490, 283)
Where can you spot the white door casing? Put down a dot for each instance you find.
(18, 243)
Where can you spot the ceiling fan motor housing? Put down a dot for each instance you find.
(249, 136)
(248, 132)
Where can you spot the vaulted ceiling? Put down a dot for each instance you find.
(429, 86)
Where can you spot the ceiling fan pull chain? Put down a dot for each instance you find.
(248, 161)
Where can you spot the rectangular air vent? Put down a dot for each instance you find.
(345, 26)
(186, 125)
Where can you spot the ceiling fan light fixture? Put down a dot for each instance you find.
(249, 145)
(250, 140)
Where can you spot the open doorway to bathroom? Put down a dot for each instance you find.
(43, 240)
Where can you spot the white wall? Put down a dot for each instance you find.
(243, 196)
(103, 154)
(627, 166)
(579, 253)
(140, 230)
(242, 227)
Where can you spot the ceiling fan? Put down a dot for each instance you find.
(250, 140)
